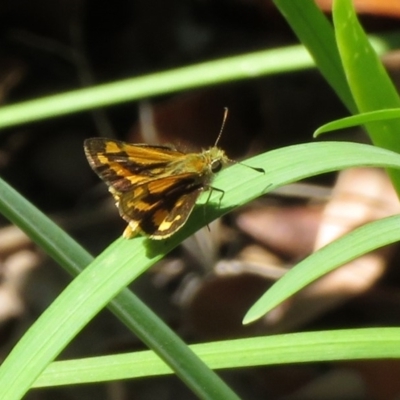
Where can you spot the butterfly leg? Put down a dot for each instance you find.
(211, 189)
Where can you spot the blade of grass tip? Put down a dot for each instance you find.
(359, 119)
(369, 82)
(360, 241)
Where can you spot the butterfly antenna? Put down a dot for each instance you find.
(225, 117)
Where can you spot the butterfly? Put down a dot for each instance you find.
(155, 187)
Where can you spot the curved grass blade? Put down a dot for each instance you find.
(359, 119)
(356, 243)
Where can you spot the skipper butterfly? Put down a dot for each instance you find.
(155, 187)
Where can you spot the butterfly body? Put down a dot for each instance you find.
(155, 187)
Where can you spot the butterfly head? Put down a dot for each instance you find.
(217, 159)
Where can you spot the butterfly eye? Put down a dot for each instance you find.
(216, 165)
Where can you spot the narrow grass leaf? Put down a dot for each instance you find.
(333, 345)
(244, 66)
(359, 119)
(356, 243)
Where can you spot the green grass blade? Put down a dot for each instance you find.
(360, 241)
(359, 119)
(246, 66)
(369, 82)
(333, 345)
(124, 260)
(177, 355)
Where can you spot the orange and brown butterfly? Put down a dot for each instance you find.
(155, 187)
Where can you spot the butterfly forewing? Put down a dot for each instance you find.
(122, 165)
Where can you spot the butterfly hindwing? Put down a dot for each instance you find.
(160, 207)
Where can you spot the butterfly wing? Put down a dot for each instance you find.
(160, 207)
(151, 195)
(123, 166)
